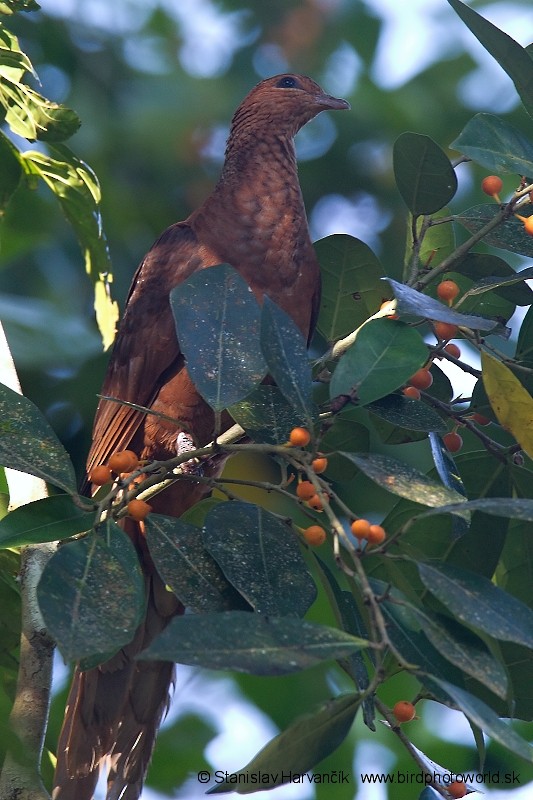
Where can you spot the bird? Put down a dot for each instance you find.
(254, 220)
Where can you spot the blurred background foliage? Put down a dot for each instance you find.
(155, 84)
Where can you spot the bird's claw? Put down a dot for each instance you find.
(184, 444)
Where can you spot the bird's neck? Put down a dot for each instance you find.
(263, 157)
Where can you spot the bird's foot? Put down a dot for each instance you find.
(184, 444)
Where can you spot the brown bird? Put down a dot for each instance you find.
(254, 220)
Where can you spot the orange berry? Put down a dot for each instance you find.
(314, 535)
(447, 290)
(404, 711)
(492, 185)
(452, 442)
(138, 509)
(453, 350)
(100, 475)
(315, 503)
(305, 490)
(480, 419)
(123, 461)
(376, 534)
(412, 392)
(422, 379)
(445, 330)
(528, 225)
(360, 528)
(299, 437)
(319, 464)
(457, 789)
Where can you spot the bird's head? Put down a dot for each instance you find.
(286, 103)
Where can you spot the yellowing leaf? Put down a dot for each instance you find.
(512, 404)
(106, 310)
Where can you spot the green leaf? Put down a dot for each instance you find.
(438, 242)
(491, 283)
(511, 56)
(481, 267)
(91, 595)
(178, 553)
(476, 601)
(514, 507)
(352, 289)
(29, 444)
(306, 742)
(496, 145)
(76, 187)
(405, 481)
(406, 413)
(412, 302)
(46, 520)
(10, 169)
(261, 558)
(217, 323)
(347, 434)
(510, 235)
(464, 650)
(266, 415)
(424, 175)
(248, 642)
(384, 355)
(483, 716)
(285, 352)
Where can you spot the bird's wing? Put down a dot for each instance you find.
(146, 345)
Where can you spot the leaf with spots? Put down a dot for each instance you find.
(261, 557)
(252, 643)
(28, 443)
(477, 602)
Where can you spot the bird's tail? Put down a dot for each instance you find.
(114, 711)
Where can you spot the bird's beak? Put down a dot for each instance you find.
(334, 103)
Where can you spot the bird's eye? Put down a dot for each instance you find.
(288, 82)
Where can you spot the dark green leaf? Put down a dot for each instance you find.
(405, 481)
(477, 602)
(491, 283)
(261, 557)
(407, 413)
(496, 145)
(217, 322)
(450, 476)
(297, 749)
(10, 169)
(266, 415)
(412, 302)
(513, 58)
(91, 595)
(485, 718)
(384, 355)
(464, 650)
(510, 235)
(480, 267)
(45, 520)
(347, 434)
(514, 507)
(182, 561)
(424, 175)
(352, 289)
(248, 642)
(29, 444)
(285, 352)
